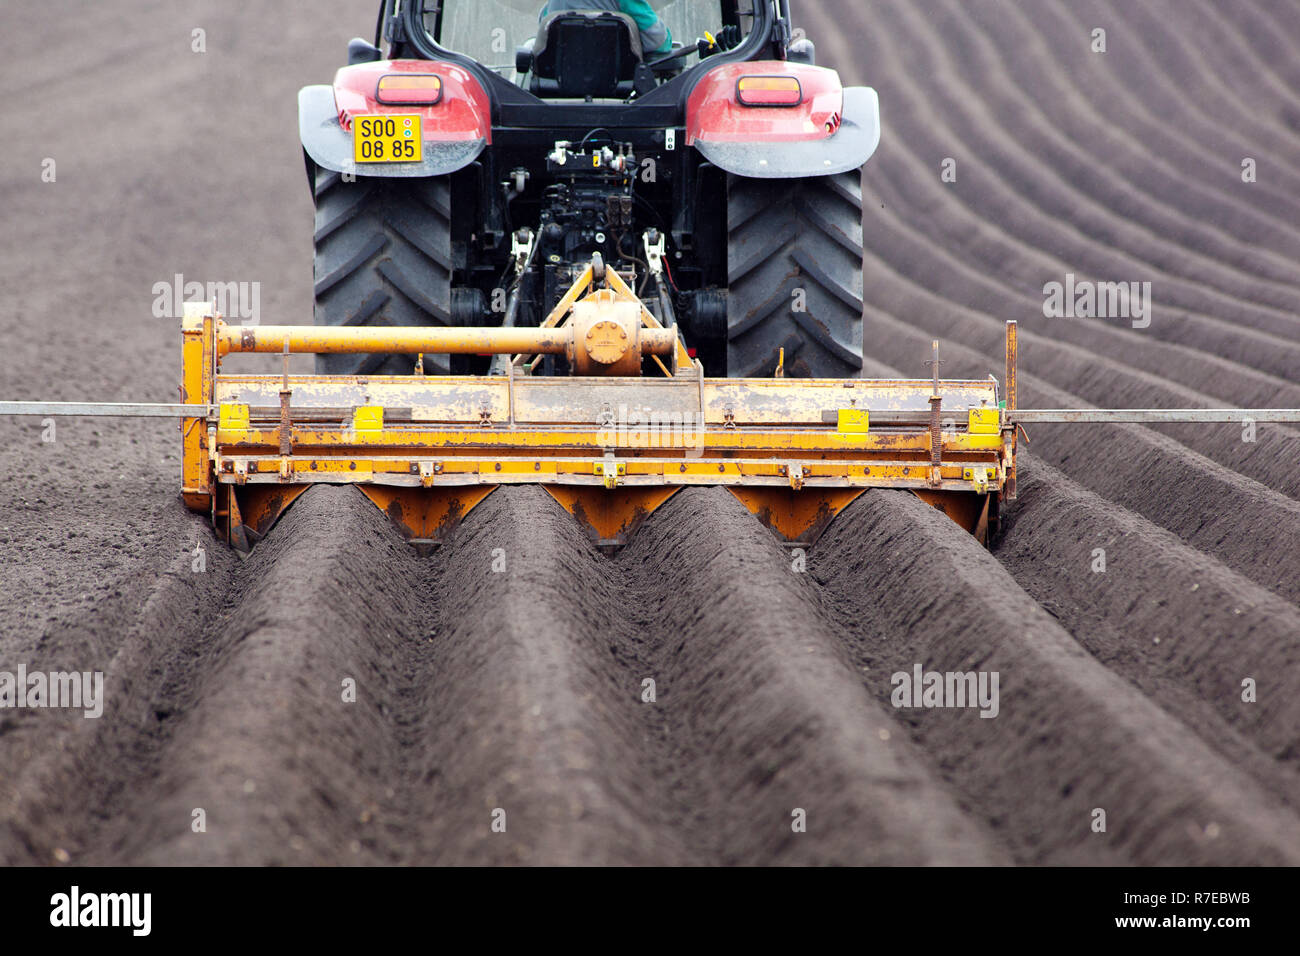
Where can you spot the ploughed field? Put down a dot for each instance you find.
(507, 671)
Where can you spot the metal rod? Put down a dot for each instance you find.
(105, 409)
(433, 339)
(1023, 416)
(1012, 348)
(1119, 416)
(286, 393)
(499, 362)
(936, 425)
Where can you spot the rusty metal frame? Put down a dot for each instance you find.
(427, 450)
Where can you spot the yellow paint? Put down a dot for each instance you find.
(232, 419)
(637, 471)
(970, 510)
(197, 389)
(564, 441)
(368, 419)
(854, 421)
(609, 471)
(610, 517)
(780, 458)
(427, 514)
(984, 421)
(800, 515)
(979, 477)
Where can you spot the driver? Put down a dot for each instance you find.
(655, 37)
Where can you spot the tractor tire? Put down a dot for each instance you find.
(383, 258)
(794, 273)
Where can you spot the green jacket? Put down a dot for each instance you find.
(655, 37)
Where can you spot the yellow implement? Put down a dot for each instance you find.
(609, 444)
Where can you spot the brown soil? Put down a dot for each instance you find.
(506, 671)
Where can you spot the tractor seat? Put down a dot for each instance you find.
(581, 53)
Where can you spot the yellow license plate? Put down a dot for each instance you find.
(387, 139)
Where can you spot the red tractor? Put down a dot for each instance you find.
(467, 175)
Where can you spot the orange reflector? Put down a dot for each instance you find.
(409, 89)
(769, 91)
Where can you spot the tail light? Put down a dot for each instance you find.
(409, 89)
(769, 91)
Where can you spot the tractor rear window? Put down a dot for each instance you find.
(491, 30)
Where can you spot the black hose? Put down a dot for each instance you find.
(499, 362)
(598, 129)
(379, 24)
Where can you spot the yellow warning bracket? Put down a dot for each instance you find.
(853, 421)
(610, 471)
(368, 418)
(984, 421)
(233, 418)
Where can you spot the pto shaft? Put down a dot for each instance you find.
(410, 340)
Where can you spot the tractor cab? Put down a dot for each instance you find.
(505, 146)
(581, 54)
